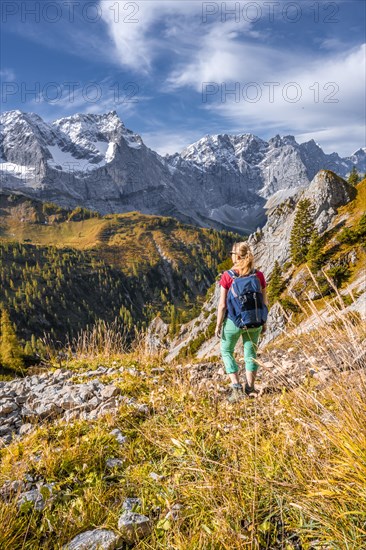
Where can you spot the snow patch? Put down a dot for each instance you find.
(64, 159)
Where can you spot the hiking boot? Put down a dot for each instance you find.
(237, 394)
(250, 391)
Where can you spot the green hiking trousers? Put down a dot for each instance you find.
(229, 338)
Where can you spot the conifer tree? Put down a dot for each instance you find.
(302, 230)
(353, 178)
(276, 283)
(11, 355)
(314, 254)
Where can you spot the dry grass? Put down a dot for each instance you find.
(287, 471)
(102, 340)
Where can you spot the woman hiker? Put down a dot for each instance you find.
(228, 331)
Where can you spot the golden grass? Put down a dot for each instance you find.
(355, 208)
(286, 471)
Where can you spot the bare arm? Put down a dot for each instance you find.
(221, 309)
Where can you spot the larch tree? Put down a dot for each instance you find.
(353, 178)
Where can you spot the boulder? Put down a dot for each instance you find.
(110, 391)
(134, 527)
(96, 539)
(156, 334)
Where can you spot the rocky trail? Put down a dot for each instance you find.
(64, 396)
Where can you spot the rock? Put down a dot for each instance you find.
(93, 403)
(96, 539)
(8, 407)
(101, 370)
(5, 430)
(40, 388)
(11, 418)
(109, 406)
(10, 488)
(140, 407)
(5, 440)
(110, 391)
(157, 332)
(131, 503)
(155, 476)
(113, 463)
(70, 402)
(48, 410)
(133, 371)
(134, 527)
(276, 324)
(20, 399)
(121, 439)
(85, 392)
(26, 428)
(35, 496)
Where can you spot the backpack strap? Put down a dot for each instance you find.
(232, 274)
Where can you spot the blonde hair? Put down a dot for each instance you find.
(244, 259)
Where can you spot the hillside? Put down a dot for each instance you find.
(310, 292)
(123, 449)
(62, 270)
(107, 446)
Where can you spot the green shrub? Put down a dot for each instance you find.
(289, 305)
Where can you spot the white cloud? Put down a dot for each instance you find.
(330, 80)
(167, 142)
(7, 75)
(131, 27)
(331, 95)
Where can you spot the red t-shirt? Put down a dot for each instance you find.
(226, 281)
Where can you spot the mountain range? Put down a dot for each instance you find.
(225, 181)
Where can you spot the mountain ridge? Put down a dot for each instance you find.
(94, 161)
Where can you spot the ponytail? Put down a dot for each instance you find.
(244, 259)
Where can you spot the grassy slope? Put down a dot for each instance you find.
(283, 472)
(122, 239)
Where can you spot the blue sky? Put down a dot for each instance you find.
(177, 70)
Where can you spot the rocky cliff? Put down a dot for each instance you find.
(328, 192)
(94, 161)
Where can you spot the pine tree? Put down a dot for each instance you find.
(276, 284)
(314, 254)
(11, 355)
(353, 178)
(302, 230)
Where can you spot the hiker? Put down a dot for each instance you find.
(250, 314)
